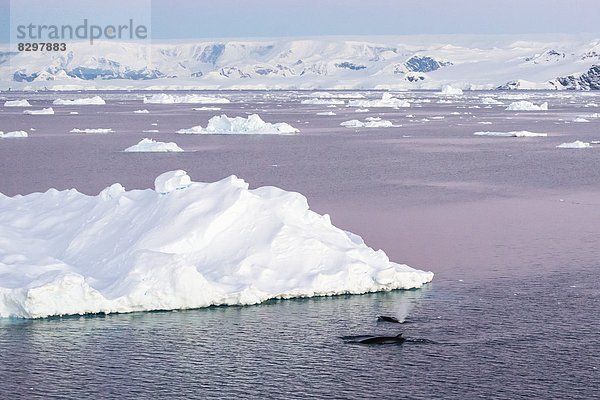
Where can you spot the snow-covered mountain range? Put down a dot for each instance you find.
(403, 62)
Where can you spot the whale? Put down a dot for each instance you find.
(387, 319)
(398, 339)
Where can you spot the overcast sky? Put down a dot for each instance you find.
(180, 19)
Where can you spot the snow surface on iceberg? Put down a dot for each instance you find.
(187, 245)
(92, 101)
(152, 146)
(525, 105)
(387, 100)
(13, 134)
(163, 98)
(222, 125)
(16, 103)
(511, 134)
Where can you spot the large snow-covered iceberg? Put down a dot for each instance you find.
(184, 245)
(16, 103)
(152, 146)
(222, 125)
(163, 98)
(387, 100)
(91, 101)
(525, 105)
(13, 134)
(448, 90)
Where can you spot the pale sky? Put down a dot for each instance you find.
(180, 19)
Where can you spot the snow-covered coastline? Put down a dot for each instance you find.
(183, 245)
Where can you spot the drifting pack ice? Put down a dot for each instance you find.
(182, 245)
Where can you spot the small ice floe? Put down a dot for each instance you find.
(144, 111)
(73, 113)
(206, 109)
(362, 110)
(485, 123)
(43, 111)
(490, 101)
(163, 98)
(92, 130)
(13, 134)
(222, 125)
(150, 131)
(579, 119)
(17, 103)
(151, 146)
(328, 95)
(92, 101)
(526, 106)
(578, 144)
(326, 113)
(519, 134)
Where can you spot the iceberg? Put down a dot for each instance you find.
(448, 90)
(92, 130)
(519, 134)
(578, 144)
(43, 111)
(144, 111)
(92, 101)
(13, 134)
(151, 146)
(387, 100)
(223, 125)
(526, 106)
(182, 245)
(17, 103)
(370, 123)
(163, 98)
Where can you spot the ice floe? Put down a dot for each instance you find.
(151, 146)
(448, 90)
(163, 98)
(91, 101)
(223, 124)
(92, 130)
(387, 100)
(17, 103)
(578, 144)
(323, 101)
(183, 245)
(326, 113)
(519, 134)
(144, 111)
(43, 111)
(371, 122)
(13, 134)
(526, 106)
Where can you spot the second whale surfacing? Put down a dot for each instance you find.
(398, 339)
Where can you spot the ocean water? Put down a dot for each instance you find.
(510, 226)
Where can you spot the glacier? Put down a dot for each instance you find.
(180, 245)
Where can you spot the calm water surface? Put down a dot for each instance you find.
(511, 227)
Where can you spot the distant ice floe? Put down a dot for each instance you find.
(91, 101)
(43, 111)
(144, 111)
(222, 125)
(151, 146)
(387, 100)
(448, 90)
(163, 98)
(326, 113)
(579, 119)
(371, 122)
(519, 134)
(206, 109)
(328, 95)
(92, 130)
(526, 106)
(17, 103)
(13, 134)
(578, 144)
(323, 101)
(490, 101)
(362, 110)
(182, 245)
